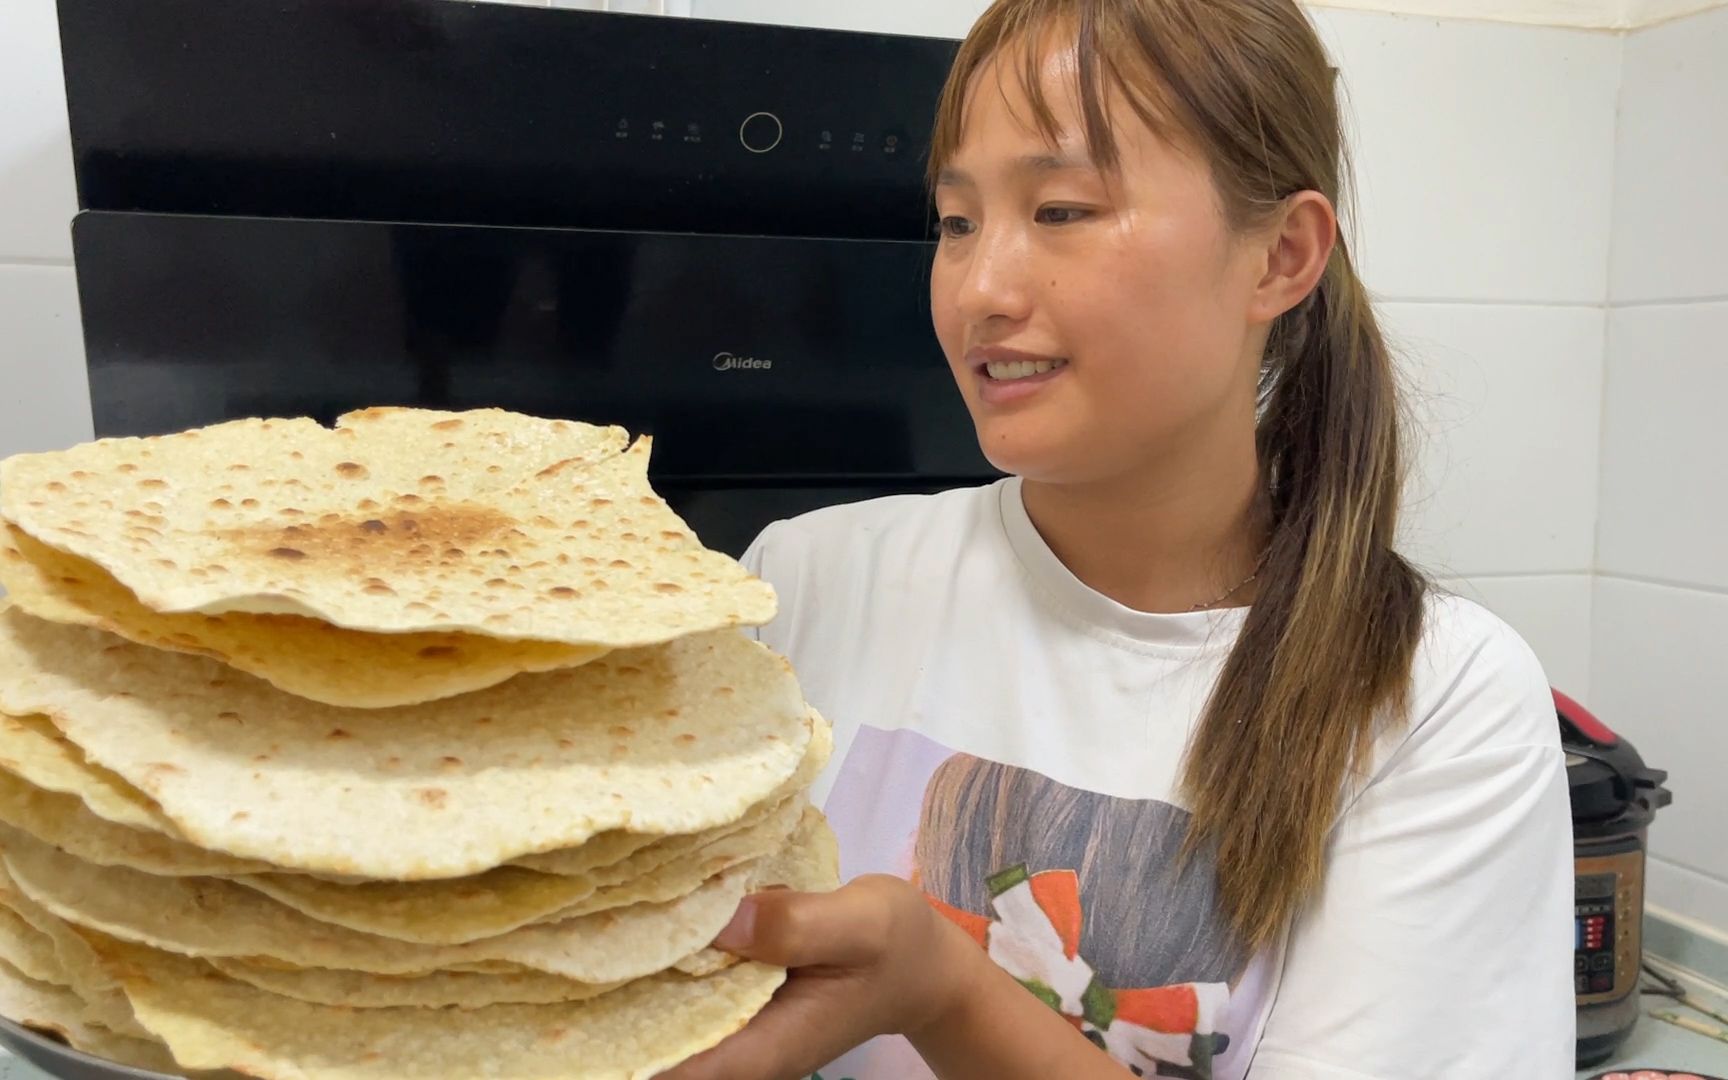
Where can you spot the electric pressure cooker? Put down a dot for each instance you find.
(1614, 799)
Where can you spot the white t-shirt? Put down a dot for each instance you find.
(1011, 740)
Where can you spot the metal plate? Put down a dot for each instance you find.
(59, 1060)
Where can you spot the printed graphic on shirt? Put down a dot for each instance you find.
(1079, 896)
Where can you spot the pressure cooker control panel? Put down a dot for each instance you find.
(1606, 944)
(1593, 936)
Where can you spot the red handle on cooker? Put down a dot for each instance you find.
(1582, 722)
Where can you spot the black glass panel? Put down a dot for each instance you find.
(750, 359)
(429, 110)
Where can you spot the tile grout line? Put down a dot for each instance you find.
(1513, 575)
(1485, 301)
(1678, 301)
(1664, 583)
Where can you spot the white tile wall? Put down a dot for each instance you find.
(1659, 648)
(1665, 444)
(1670, 229)
(1551, 612)
(44, 397)
(1492, 185)
(36, 190)
(1658, 676)
(1507, 401)
(1679, 890)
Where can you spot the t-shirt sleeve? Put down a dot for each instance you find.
(768, 559)
(1440, 947)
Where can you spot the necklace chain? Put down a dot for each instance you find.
(1259, 564)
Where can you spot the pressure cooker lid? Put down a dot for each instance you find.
(1609, 784)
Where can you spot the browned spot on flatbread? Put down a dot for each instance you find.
(353, 470)
(362, 544)
(433, 797)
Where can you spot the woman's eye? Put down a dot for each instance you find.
(953, 226)
(1060, 215)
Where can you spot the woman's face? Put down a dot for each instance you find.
(1125, 295)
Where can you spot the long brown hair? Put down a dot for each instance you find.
(1327, 647)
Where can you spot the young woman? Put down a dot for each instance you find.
(1157, 759)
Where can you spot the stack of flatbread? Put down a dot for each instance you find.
(426, 746)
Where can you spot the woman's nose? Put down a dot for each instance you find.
(994, 285)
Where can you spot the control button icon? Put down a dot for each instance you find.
(761, 132)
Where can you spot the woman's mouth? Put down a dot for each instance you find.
(1014, 370)
(1007, 376)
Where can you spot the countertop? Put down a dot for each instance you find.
(1653, 1044)
(1656, 1045)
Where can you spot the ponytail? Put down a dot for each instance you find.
(1327, 648)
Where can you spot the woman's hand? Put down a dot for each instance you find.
(868, 959)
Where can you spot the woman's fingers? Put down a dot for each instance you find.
(860, 962)
(845, 928)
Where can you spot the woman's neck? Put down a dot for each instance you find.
(1168, 542)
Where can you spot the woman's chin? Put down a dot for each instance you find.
(1035, 455)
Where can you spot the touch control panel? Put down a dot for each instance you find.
(500, 114)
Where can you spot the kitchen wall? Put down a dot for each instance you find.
(1485, 205)
(44, 400)
(1659, 663)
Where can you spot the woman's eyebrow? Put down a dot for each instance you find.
(1029, 163)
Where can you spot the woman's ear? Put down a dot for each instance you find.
(1299, 244)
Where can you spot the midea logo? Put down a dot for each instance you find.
(729, 362)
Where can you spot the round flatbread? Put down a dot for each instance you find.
(76, 965)
(29, 950)
(670, 740)
(610, 851)
(210, 917)
(210, 1021)
(306, 657)
(456, 910)
(433, 990)
(65, 822)
(502, 900)
(395, 521)
(34, 749)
